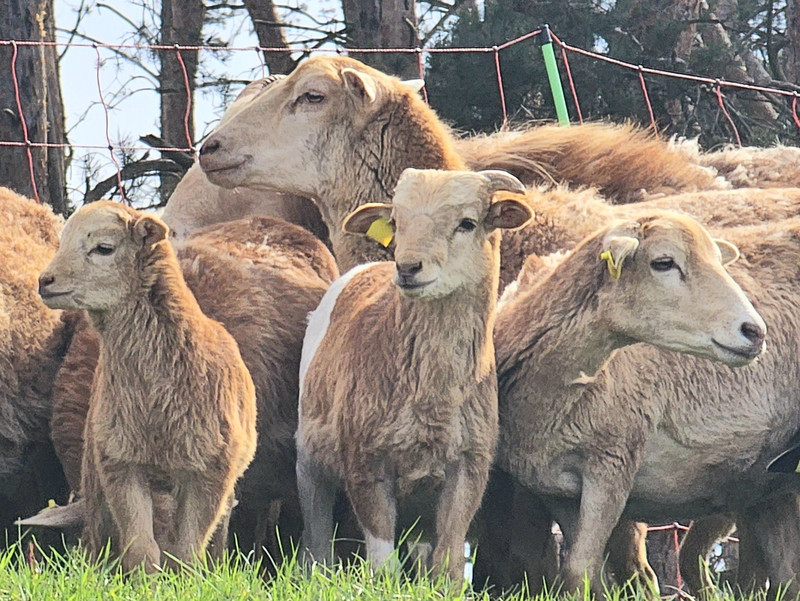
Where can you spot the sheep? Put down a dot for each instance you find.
(625, 163)
(398, 400)
(33, 340)
(260, 277)
(748, 167)
(341, 133)
(690, 449)
(172, 404)
(196, 203)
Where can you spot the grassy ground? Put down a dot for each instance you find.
(70, 577)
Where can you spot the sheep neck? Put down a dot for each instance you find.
(447, 344)
(406, 133)
(159, 314)
(552, 339)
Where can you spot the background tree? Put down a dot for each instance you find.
(40, 96)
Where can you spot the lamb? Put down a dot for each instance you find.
(33, 340)
(690, 450)
(398, 397)
(341, 133)
(260, 277)
(172, 405)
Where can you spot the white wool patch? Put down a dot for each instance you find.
(320, 318)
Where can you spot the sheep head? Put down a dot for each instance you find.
(444, 225)
(306, 129)
(667, 285)
(105, 248)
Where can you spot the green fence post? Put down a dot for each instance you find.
(553, 77)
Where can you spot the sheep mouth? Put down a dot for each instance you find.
(746, 353)
(46, 294)
(223, 169)
(413, 286)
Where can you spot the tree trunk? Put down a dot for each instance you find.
(270, 34)
(384, 24)
(181, 23)
(40, 96)
(793, 39)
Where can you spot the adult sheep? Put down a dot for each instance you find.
(196, 202)
(749, 166)
(693, 448)
(33, 340)
(260, 278)
(341, 133)
(172, 407)
(398, 399)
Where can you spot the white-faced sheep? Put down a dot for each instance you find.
(197, 203)
(398, 387)
(33, 340)
(172, 406)
(260, 278)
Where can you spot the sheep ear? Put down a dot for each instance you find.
(362, 84)
(57, 516)
(414, 84)
(502, 180)
(371, 220)
(615, 250)
(508, 213)
(728, 251)
(149, 230)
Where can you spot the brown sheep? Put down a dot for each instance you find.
(748, 167)
(172, 406)
(398, 401)
(260, 277)
(625, 163)
(715, 432)
(33, 340)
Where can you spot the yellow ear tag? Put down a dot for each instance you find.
(381, 231)
(615, 269)
(51, 503)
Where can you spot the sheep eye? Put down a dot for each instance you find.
(103, 249)
(466, 225)
(312, 97)
(663, 264)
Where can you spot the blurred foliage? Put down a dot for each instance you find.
(660, 34)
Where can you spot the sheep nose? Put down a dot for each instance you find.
(210, 147)
(408, 270)
(45, 280)
(753, 332)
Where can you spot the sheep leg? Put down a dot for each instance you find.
(130, 501)
(768, 547)
(701, 536)
(460, 498)
(219, 540)
(627, 555)
(317, 492)
(201, 501)
(375, 507)
(516, 543)
(602, 501)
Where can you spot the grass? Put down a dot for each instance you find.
(71, 577)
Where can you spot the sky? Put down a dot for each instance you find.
(129, 90)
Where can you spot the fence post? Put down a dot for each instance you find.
(553, 76)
